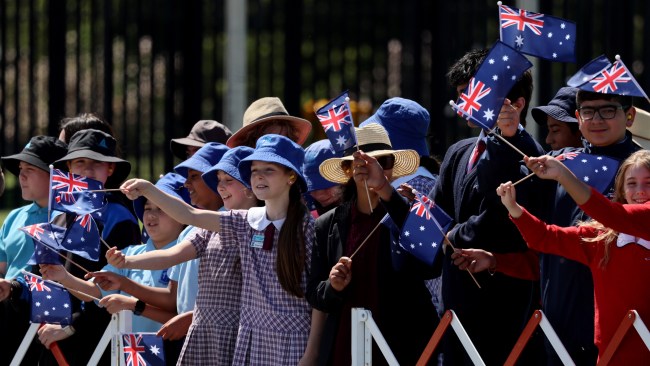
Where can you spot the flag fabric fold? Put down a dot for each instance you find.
(483, 98)
(601, 76)
(537, 34)
(336, 119)
(50, 302)
(595, 170)
(73, 193)
(142, 349)
(82, 237)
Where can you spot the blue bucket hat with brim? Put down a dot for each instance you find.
(203, 159)
(275, 149)
(406, 123)
(228, 164)
(170, 183)
(40, 151)
(315, 154)
(562, 107)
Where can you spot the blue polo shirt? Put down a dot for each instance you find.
(186, 274)
(16, 248)
(155, 278)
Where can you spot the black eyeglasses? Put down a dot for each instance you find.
(605, 112)
(386, 161)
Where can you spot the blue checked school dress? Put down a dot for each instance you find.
(212, 335)
(274, 325)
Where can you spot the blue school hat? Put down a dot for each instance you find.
(562, 107)
(406, 123)
(203, 159)
(315, 155)
(228, 164)
(170, 183)
(277, 149)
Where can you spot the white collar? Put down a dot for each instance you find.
(624, 239)
(257, 219)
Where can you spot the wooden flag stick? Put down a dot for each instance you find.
(68, 259)
(103, 190)
(507, 142)
(523, 179)
(82, 293)
(366, 239)
(105, 243)
(467, 269)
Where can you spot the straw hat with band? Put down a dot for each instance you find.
(228, 164)
(373, 140)
(170, 183)
(40, 151)
(99, 146)
(263, 111)
(202, 132)
(277, 149)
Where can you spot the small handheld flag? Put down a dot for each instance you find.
(597, 171)
(75, 193)
(601, 76)
(483, 98)
(50, 302)
(336, 119)
(82, 237)
(537, 34)
(142, 349)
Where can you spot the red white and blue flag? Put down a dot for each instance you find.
(82, 237)
(595, 170)
(143, 349)
(336, 119)
(483, 98)
(50, 302)
(601, 76)
(75, 193)
(537, 34)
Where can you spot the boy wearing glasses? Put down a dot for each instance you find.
(567, 288)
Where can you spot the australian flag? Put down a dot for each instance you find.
(82, 237)
(595, 170)
(537, 34)
(47, 239)
(601, 76)
(483, 98)
(50, 301)
(142, 349)
(336, 119)
(424, 230)
(75, 193)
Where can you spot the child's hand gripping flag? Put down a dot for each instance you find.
(336, 119)
(483, 98)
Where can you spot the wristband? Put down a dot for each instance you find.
(139, 307)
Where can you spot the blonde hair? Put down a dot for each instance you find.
(640, 158)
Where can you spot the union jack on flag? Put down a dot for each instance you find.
(336, 119)
(36, 284)
(143, 349)
(601, 76)
(34, 231)
(75, 193)
(502, 67)
(538, 34)
(68, 182)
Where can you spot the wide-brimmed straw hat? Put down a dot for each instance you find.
(99, 146)
(641, 128)
(40, 151)
(267, 110)
(373, 140)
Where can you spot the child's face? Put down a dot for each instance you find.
(637, 184)
(327, 196)
(269, 180)
(93, 169)
(233, 193)
(560, 135)
(161, 228)
(200, 194)
(603, 132)
(34, 183)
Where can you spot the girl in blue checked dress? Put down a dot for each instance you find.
(274, 246)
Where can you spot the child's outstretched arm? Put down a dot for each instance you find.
(155, 259)
(509, 199)
(548, 167)
(177, 209)
(59, 274)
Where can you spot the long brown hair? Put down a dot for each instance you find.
(290, 262)
(640, 158)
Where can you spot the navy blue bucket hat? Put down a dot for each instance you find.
(315, 155)
(406, 123)
(203, 159)
(170, 183)
(277, 149)
(562, 107)
(228, 164)
(40, 151)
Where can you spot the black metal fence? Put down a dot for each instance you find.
(153, 68)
